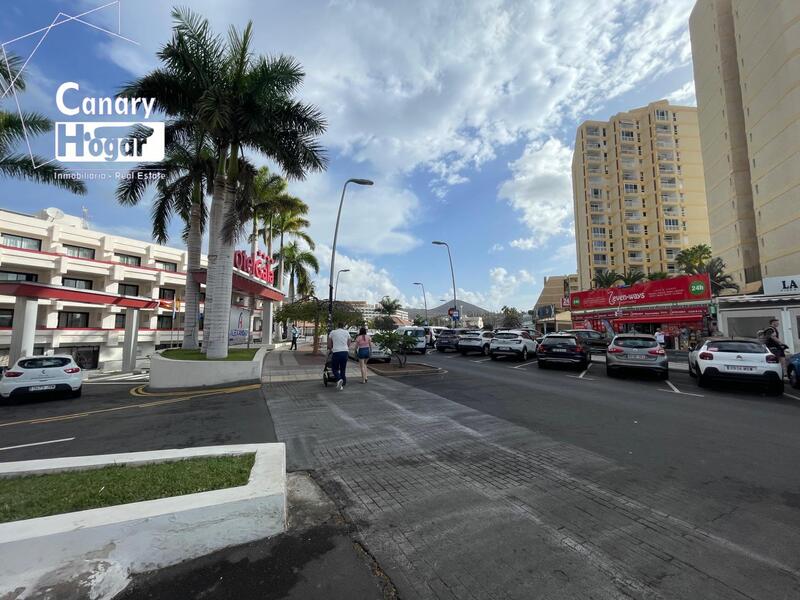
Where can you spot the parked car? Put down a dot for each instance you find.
(475, 341)
(736, 359)
(42, 375)
(448, 339)
(597, 341)
(793, 369)
(376, 352)
(419, 334)
(564, 348)
(512, 342)
(433, 334)
(636, 351)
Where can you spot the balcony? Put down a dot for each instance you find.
(636, 259)
(627, 125)
(666, 129)
(594, 145)
(663, 142)
(666, 156)
(596, 207)
(672, 227)
(627, 149)
(599, 220)
(667, 169)
(669, 198)
(630, 176)
(593, 131)
(633, 216)
(634, 229)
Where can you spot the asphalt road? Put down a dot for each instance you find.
(727, 442)
(110, 418)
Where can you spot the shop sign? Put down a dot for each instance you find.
(239, 326)
(777, 286)
(259, 266)
(684, 288)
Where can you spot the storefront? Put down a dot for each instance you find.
(747, 315)
(678, 306)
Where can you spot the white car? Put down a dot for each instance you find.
(475, 341)
(512, 342)
(736, 359)
(42, 375)
(419, 334)
(375, 352)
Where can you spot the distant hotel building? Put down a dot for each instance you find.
(370, 311)
(638, 189)
(746, 58)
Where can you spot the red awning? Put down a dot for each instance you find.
(245, 284)
(44, 291)
(663, 319)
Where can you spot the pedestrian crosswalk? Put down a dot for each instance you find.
(120, 378)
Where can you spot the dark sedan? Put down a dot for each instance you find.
(563, 348)
(596, 340)
(448, 339)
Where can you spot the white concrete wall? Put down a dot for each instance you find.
(167, 374)
(114, 542)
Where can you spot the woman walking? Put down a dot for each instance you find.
(363, 342)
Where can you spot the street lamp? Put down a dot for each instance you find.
(333, 249)
(336, 287)
(452, 274)
(425, 299)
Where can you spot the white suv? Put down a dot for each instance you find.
(475, 341)
(42, 375)
(513, 342)
(736, 359)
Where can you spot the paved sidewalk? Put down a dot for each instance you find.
(299, 365)
(456, 503)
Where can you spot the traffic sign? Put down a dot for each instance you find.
(454, 314)
(450, 311)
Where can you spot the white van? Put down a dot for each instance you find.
(419, 334)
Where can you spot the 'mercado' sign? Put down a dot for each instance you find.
(259, 266)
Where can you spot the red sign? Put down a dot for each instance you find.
(259, 266)
(684, 288)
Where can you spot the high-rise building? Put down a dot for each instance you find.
(555, 288)
(747, 78)
(638, 189)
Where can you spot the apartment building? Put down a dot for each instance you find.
(371, 310)
(81, 279)
(638, 190)
(747, 78)
(555, 289)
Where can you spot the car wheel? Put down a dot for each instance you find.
(77, 393)
(691, 371)
(485, 351)
(463, 352)
(664, 375)
(794, 380)
(775, 389)
(542, 364)
(702, 380)
(611, 372)
(582, 366)
(493, 356)
(524, 354)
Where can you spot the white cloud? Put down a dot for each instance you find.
(496, 248)
(512, 289)
(540, 190)
(365, 281)
(684, 95)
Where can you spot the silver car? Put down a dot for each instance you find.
(636, 351)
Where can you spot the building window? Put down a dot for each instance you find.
(164, 322)
(631, 188)
(14, 276)
(18, 241)
(6, 317)
(626, 136)
(167, 266)
(671, 224)
(662, 115)
(598, 245)
(597, 193)
(78, 284)
(73, 319)
(128, 259)
(599, 231)
(119, 321)
(128, 289)
(166, 294)
(79, 251)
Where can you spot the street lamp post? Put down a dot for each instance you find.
(452, 274)
(425, 299)
(336, 287)
(333, 249)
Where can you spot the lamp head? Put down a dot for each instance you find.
(438, 243)
(417, 283)
(362, 181)
(344, 270)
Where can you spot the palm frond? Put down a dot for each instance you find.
(19, 166)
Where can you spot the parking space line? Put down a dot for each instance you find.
(672, 385)
(582, 378)
(791, 395)
(481, 360)
(38, 443)
(526, 364)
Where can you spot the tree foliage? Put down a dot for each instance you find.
(387, 307)
(632, 277)
(605, 278)
(313, 310)
(511, 318)
(692, 258)
(399, 343)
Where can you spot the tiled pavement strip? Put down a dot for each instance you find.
(455, 503)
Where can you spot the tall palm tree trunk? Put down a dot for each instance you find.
(192, 295)
(214, 236)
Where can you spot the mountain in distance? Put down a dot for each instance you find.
(466, 309)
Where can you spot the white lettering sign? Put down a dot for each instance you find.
(777, 286)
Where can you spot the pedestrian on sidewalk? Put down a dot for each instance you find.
(338, 344)
(295, 333)
(363, 344)
(774, 343)
(660, 337)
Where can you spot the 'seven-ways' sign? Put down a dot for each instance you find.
(684, 288)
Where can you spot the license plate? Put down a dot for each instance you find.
(635, 357)
(504, 349)
(41, 388)
(739, 368)
(559, 349)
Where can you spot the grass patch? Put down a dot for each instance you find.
(55, 493)
(233, 354)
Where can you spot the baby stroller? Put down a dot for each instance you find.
(327, 372)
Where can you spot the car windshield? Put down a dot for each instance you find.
(742, 347)
(639, 342)
(416, 333)
(45, 362)
(506, 335)
(560, 340)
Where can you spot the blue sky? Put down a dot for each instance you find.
(464, 114)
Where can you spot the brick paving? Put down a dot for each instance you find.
(456, 503)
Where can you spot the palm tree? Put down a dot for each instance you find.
(720, 280)
(656, 275)
(187, 173)
(690, 259)
(298, 262)
(12, 132)
(290, 222)
(632, 277)
(605, 278)
(242, 101)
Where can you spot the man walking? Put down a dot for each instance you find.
(338, 344)
(774, 343)
(660, 337)
(295, 333)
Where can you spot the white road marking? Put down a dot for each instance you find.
(681, 393)
(482, 360)
(38, 444)
(791, 395)
(527, 364)
(586, 370)
(670, 384)
(582, 378)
